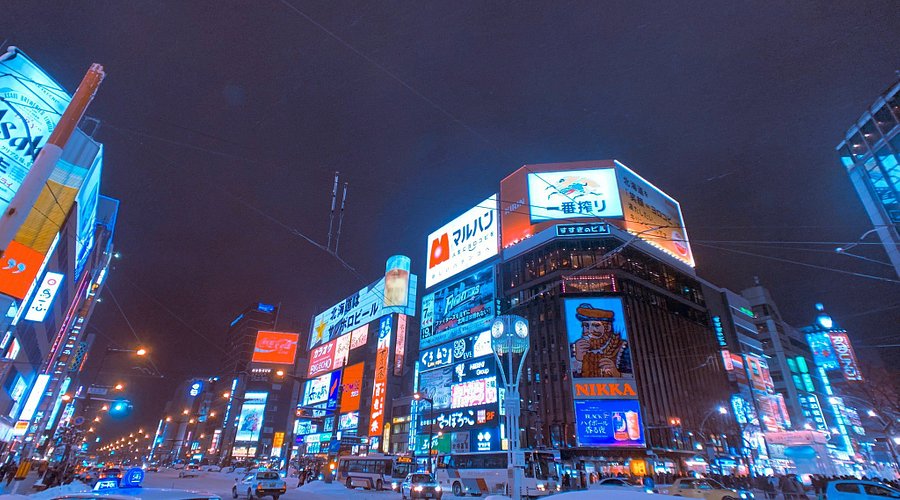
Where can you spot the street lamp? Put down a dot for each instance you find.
(510, 343)
(421, 397)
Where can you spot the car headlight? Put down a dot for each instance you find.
(437, 488)
(649, 490)
(418, 488)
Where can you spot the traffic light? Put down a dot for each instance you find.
(120, 407)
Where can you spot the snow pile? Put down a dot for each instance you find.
(608, 495)
(49, 493)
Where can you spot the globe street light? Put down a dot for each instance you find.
(510, 343)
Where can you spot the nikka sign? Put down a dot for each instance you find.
(604, 388)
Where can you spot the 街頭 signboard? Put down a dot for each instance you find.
(460, 309)
(462, 243)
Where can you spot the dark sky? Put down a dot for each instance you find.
(733, 108)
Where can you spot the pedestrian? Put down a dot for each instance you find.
(11, 473)
(301, 478)
(771, 487)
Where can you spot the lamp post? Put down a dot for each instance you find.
(510, 343)
(420, 397)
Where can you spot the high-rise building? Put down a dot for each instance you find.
(358, 364)
(623, 371)
(870, 153)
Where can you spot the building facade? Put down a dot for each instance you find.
(870, 152)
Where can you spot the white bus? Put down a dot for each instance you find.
(487, 473)
(374, 471)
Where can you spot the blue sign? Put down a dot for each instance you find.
(460, 309)
(597, 228)
(266, 308)
(133, 478)
(106, 484)
(598, 342)
(609, 423)
(823, 351)
(196, 387)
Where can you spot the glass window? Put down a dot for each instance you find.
(885, 119)
(847, 488)
(870, 133)
(858, 146)
(880, 491)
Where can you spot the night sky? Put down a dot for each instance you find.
(223, 123)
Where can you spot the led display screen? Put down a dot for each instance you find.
(462, 308)
(348, 421)
(822, 351)
(573, 194)
(43, 297)
(275, 347)
(317, 390)
(364, 307)
(473, 346)
(598, 342)
(250, 420)
(462, 243)
(609, 423)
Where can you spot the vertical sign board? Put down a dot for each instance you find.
(379, 388)
(44, 296)
(462, 243)
(250, 420)
(352, 387)
(607, 412)
(400, 354)
(823, 351)
(845, 355)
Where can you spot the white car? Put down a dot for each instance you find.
(260, 484)
(619, 484)
(852, 489)
(191, 470)
(211, 468)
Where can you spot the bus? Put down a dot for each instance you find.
(373, 471)
(486, 473)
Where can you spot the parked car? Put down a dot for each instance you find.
(211, 468)
(707, 489)
(260, 484)
(420, 485)
(619, 484)
(859, 490)
(111, 472)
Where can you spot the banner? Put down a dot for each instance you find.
(465, 307)
(275, 347)
(463, 242)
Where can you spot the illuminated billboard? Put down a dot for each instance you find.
(352, 387)
(275, 347)
(250, 420)
(341, 350)
(473, 393)
(459, 309)
(464, 418)
(379, 387)
(31, 106)
(321, 359)
(359, 337)
(609, 423)
(823, 351)
(462, 243)
(43, 297)
(365, 306)
(573, 194)
(323, 388)
(653, 215)
(400, 345)
(845, 355)
(598, 342)
(466, 348)
(20, 268)
(537, 197)
(348, 421)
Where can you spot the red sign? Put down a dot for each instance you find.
(18, 269)
(379, 389)
(275, 347)
(321, 359)
(845, 355)
(352, 387)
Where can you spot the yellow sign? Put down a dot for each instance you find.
(278, 440)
